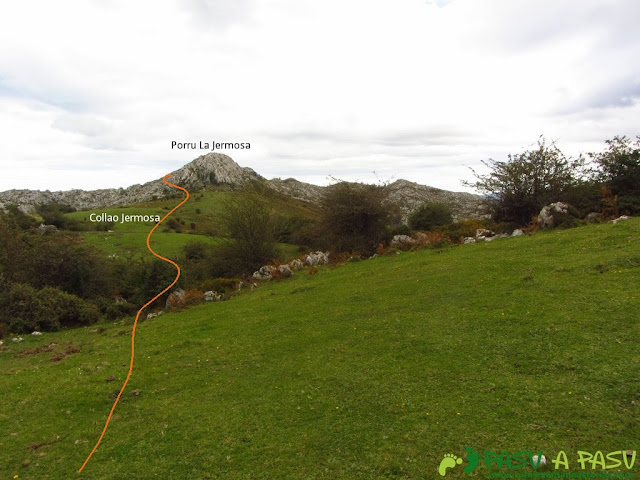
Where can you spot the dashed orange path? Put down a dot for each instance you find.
(135, 323)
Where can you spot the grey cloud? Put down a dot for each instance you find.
(622, 92)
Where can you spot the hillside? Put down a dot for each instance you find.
(215, 170)
(375, 369)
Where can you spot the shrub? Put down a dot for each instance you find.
(48, 309)
(430, 215)
(251, 242)
(620, 171)
(517, 189)
(355, 216)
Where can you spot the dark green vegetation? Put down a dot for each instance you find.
(430, 215)
(517, 189)
(85, 266)
(355, 217)
(372, 370)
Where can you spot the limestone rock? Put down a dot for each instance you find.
(620, 218)
(212, 296)
(285, 271)
(265, 273)
(517, 233)
(402, 240)
(175, 298)
(317, 258)
(468, 240)
(547, 216)
(296, 264)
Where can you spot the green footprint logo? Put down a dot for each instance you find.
(449, 461)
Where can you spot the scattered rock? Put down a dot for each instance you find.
(620, 218)
(548, 216)
(155, 314)
(285, 271)
(317, 258)
(16, 339)
(36, 333)
(296, 265)
(265, 273)
(47, 228)
(484, 234)
(468, 240)
(212, 296)
(517, 233)
(402, 240)
(176, 298)
(136, 392)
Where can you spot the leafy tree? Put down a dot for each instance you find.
(619, 170)
(429, 215)
(355, 216)
(250, 227)
(517, 189)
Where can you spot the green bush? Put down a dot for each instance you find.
(355, 217)
(27, 309)
(430, 215)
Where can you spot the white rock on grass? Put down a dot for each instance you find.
(36, 333)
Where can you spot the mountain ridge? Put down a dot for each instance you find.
(215, 169)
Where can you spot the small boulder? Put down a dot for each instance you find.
(175, 298)
(212, 296)
(620, 218)
(402, 240)
(16, 339)
(517, 233)
(296, 264)
(317, 258)
(484, 234)
(468, 240)
(36, 333)
(549, 216)
(285, 271)
(265, 273)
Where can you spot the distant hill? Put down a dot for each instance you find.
(215, 170)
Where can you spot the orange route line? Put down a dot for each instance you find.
(135, 323)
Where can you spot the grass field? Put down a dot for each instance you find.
(372, 370)
(199, 221)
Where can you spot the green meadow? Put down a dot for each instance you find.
(198, 220)
(374, 369)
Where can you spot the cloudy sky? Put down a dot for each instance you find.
(92, 93)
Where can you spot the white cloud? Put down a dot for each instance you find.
(412, 88)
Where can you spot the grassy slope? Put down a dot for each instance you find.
(202, 209)
(373, 370)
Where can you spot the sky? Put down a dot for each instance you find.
(94, 92)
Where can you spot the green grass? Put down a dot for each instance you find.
(202, 210)
(373, 370)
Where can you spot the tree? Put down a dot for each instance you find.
(429, 215)
(517, 189)
(620, 171)
(251, 243)
(355, 216)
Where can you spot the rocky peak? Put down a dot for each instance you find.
(213, 169)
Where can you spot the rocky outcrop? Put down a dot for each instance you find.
(211, 169)
(215, 169)
(409, 196)
(297, 189)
